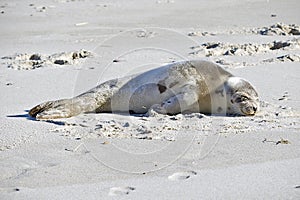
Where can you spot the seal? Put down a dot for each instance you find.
(181, 87)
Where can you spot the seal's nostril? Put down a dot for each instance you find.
(255, 109)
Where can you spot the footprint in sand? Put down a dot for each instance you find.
(114, 191)
(182, 175)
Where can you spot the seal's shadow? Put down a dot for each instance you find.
(28, 117)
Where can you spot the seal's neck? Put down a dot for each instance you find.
(231, 86)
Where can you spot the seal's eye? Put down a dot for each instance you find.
(244, 98)
(241, 99)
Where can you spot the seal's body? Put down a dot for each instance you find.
(182, 87)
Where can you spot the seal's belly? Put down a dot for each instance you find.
(146, 96)
(145, 90)
(139, 99)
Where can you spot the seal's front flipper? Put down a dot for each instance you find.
(55, 109)
(180, 103)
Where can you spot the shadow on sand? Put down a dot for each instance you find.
(28, 117)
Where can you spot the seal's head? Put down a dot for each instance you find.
(242, 97)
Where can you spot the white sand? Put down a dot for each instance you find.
(109, 156)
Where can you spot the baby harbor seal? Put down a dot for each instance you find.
(181, 87)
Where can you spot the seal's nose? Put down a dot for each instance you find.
(254, 108)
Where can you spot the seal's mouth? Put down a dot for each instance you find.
(249, 110)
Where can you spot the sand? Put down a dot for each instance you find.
(58, 49)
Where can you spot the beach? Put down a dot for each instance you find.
(61, 48)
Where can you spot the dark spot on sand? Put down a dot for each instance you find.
(35, 57)
(279, 45)
(66, 149)
(117, 60)
(75, 55)
(213, 46)
(60, 62)
(161, 88)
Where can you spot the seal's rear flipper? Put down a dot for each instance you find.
(55, 109)
(39, 108)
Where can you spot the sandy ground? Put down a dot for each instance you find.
(60, 48)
